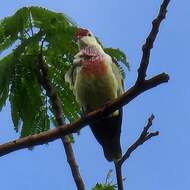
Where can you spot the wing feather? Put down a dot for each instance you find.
(119, 78)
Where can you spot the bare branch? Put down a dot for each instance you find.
(36, 139)
(150, 41)
(144, 136)
(54, 134)
(118, 171)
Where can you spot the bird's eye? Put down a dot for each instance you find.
(89, 34)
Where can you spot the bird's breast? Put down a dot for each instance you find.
(95, 85)
(93, 62)
(94, 67)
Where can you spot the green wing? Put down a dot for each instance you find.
(119, 77)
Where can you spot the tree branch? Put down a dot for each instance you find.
(118, 171)
(42, 75)
(56, 133)
(150, 41)
(110, 107)
(144, 136)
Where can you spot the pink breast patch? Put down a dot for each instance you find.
(93, 62)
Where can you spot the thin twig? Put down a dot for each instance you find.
(150, 41)
(144, 136)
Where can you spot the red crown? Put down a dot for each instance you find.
(81, 33)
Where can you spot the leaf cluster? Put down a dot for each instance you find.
(103, 187)
(22, 37)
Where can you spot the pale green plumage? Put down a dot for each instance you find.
(93, 90)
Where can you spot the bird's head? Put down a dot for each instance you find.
(86, 38)
(90, 51)
(81, 33)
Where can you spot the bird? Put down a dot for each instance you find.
(95, 79)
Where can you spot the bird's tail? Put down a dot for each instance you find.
(107, 132)
(112, 151)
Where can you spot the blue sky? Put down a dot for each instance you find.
(161, 163)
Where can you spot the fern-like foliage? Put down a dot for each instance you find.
(108, 185)
(103, 187)
(25, 31)
(118, 56)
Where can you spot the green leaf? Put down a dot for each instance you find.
(5, 75)
(118, 56)
(46, 19)
(103, 187)
(58, 67)
(28, 104)
(11, 27)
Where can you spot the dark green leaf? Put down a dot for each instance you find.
(5, 75)
(118, 56)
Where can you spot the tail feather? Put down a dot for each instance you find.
(112, 151)
(107, 132)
